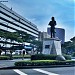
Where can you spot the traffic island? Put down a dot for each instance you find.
(40, 64)
(44, 63)
(41, 60)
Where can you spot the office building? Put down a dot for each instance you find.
(60, 33)
(12, 21)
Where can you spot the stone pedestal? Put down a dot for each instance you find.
(52, 46)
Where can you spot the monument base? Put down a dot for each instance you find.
(60, 58)
(52, 46)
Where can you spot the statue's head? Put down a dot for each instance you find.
(52, 18)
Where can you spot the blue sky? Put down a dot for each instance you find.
(40, 12)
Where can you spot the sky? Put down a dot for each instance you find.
(40, 12)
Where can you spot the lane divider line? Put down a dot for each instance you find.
(19, 72)
(45, 72)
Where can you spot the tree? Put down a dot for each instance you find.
(25, 36)
(69, 46)
(73, 54)
(38, 45)
(73, 39)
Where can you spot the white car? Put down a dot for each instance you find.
(13, 53)
(7, 52)
(2, 53)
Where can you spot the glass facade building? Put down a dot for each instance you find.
(60, 33)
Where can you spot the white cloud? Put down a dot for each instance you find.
(39, 12)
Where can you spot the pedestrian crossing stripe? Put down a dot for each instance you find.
(39, 70)
(19, 72)
(45, 72)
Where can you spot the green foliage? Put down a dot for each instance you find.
(24, 36)
(2, 34)
(4, 57)
(47, 57)
(21, 56)
(73, 55)
(19, 36)
(44, 63)
(67, 57)
(69, 46)
(38, 45)
(73, 39)
(43, 57)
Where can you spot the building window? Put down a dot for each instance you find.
(47, 46)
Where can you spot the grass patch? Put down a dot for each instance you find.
(44, 63)
(4, 57)
(21, 56)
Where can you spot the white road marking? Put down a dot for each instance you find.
(45, 72)
(19, 72)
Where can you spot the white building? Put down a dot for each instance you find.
(12, 21)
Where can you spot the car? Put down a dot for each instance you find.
(7, 52)
(2, 53)
(13, 53)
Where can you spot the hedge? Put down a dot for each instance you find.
(44, 63)
(47, 57)
(73, 55)
(67, 57)
(21, 56)
(4, 57)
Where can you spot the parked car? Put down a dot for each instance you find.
(2, 53)
(7, 52)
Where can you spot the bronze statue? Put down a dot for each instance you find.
(52, 29)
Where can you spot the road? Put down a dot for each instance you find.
(9, 63)
(40, 71)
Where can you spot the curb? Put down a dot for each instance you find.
(30, 67)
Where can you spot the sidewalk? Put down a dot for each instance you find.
(9, 63)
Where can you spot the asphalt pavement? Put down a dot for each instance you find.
(9, 63)
(40, 71)
(34, 71)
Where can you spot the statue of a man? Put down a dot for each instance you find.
(52, 23)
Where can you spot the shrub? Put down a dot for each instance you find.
(43, 57)
(73, 55)
(47, 57)
(43, 63)
(20, 56)
(4, 57)
(67, 57)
